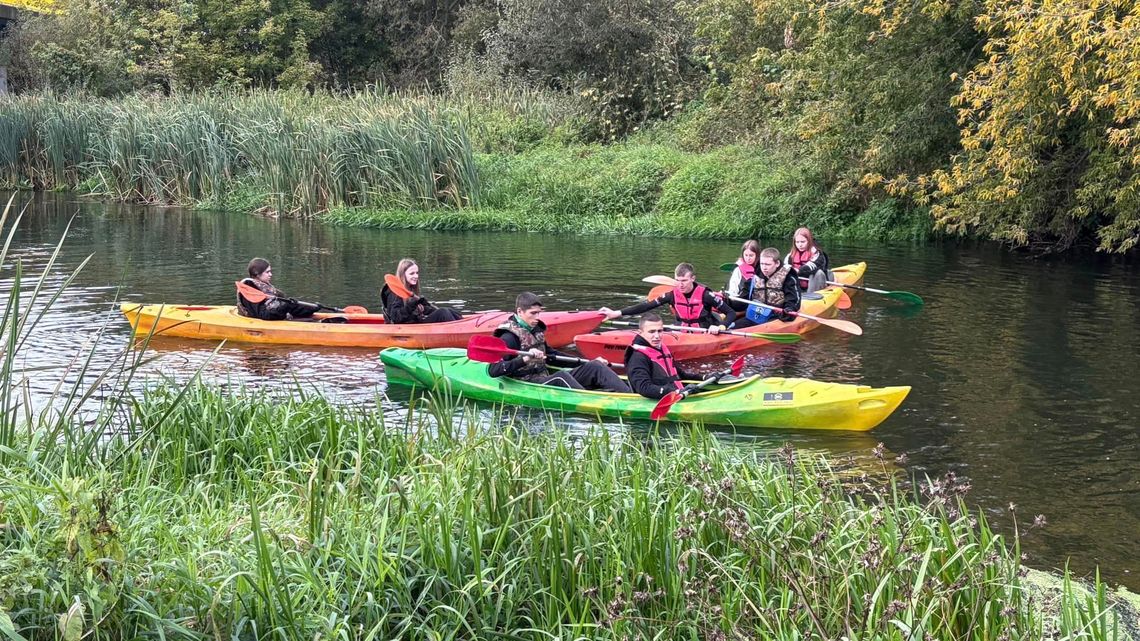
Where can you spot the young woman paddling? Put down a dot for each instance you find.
(258, 298)
(774, 284)
(742, 275)
(808, 261)
(403, 303)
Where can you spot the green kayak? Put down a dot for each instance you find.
(791, 403)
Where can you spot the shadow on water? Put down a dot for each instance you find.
(1023, 370)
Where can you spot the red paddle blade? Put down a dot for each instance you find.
(487, 349)
(658, 292)
(844, 300)
(738, 366)
(663, 405)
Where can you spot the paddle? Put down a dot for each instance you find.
(841, 325)
(658, 292)
(491, 349)
(669, 400)
(773, 337)
(350, 309)
(906, 297)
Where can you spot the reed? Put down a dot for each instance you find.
(302, 153)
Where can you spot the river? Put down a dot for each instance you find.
(1023, 370)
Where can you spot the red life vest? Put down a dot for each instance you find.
(664, 360)
(798, 259)
(688, 309)
(746, 271)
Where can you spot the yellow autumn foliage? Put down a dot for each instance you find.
(42, 6)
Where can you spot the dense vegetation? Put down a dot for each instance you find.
(1007, 119)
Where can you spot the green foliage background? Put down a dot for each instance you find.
(1016, 121)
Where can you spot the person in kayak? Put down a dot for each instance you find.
(774, 284)
(693, 303)
(403, 303)
(808, 260)
(258, 298)
(525, 332)
(742, 274)
(648, 364)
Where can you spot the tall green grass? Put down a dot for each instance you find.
(235, 515)
(299, 153)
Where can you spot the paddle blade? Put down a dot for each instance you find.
(664, 405)
(906, 297)
(355, 309)
(658, 292)
(844, 300)
(660, 280)
(783, 339)
(487, 349)
(727, 267)
(841, 325)
(737, 366)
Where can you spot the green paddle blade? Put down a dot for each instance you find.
(786, 339)
(727, 267)
(906, 297)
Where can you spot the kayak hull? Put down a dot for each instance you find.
(361, 330)
(754, 402)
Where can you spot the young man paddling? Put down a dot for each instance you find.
(525, 332)
(648, 363)
(258, 298)
(774, 284)
(693, 303)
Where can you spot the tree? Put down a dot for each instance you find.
(1050, 128)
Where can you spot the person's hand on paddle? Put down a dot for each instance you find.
(533, 355)
(610, 313)
(715, 329)
(602, 361)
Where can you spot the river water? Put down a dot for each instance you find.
(1024, 370)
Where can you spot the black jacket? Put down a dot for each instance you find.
(399, 311)
(790, 288)
(648, 378)
(706, 319)
(510, 365)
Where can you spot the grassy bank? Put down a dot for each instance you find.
(651, 189)
(513, 159)
(230, 515)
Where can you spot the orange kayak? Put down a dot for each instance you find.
(362, 330)
(685, 345)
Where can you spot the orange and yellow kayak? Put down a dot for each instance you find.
(361, 330)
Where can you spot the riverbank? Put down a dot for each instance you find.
(523, 161)
(651, 189)
(214, 514)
